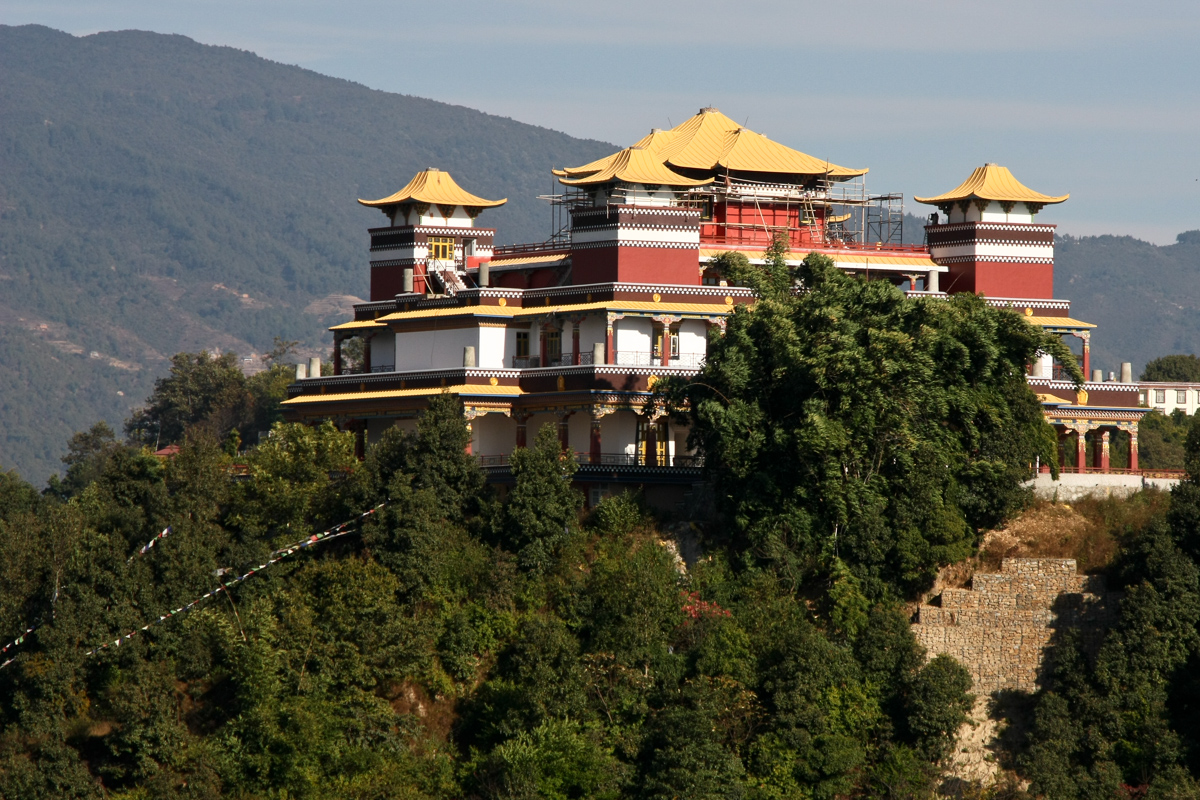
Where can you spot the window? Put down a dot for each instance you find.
(553, 343)
(1160, 395)
(522, 344)
(674, 345)
(441, 248)
(1181, 396)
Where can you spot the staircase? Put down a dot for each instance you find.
(1000, 627)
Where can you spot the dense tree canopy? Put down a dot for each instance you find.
(1183, 368)
(847, 423)
(460, 643)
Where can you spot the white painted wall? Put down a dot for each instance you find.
(536, 423)
(693, 336)
(618, 432)
(493, 435)
(579, 431)
(633, 334)
(993, 212)
(593, 329)
(383, 349)
(435, 349)
(490, 351)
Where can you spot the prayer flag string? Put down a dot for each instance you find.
(276, 555)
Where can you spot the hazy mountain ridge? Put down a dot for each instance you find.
(160, 195)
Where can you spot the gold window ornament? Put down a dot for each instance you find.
(441, 248)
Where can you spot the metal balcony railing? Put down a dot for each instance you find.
(621, 358)
(612, 460)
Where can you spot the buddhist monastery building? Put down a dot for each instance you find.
(574, 332)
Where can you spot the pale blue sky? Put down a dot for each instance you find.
(1098, 98)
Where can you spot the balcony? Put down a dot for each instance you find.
(372, 370)
(631, 460)
(621, 358)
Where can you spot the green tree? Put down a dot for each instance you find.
(1181, 368)
(201, 389)
(541, 512)
(849, 422)
(87, 455)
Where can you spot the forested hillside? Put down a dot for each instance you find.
(159, 195)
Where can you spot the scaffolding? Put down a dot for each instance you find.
(826, 211)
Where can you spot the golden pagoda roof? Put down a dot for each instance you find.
(635, 165)
(992, 182)
(434, 186)
(654, 141)
(710, 140)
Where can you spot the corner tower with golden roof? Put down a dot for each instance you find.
(990, 242)
(431, 239)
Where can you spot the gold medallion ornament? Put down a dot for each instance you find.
(562, 383)
(657, 297)
(728, 300)
(653, 379)
(503, 302)
(1029, 312)
(492, 380)
(1081, 397)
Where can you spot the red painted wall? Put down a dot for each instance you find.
(387, 282)
(1035, 281)
(635, 265)
(754, 225)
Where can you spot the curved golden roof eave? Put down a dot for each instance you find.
(635, 165)
(434, 186)
(992, 182)
(709, 140)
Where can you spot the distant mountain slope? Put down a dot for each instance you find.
(1144, 298)
(159, 195)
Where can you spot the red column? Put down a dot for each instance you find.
(1081, 453)
(651, 444)
(521, 429)
(608, 345)
(367, 352)
(575, 343)
(564, 431)
(594, 446)
(1087, 360)
(666, 345)
(337, 354)
(1104, 452)
(1133, 464)
(360, 439)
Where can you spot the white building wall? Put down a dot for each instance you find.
(493, 435)
(1170, 394)
(491, 348)
(536, 423)
(993, 212)
(693, 336)
(618, 432)
(383, 350)
(633, 335)
(579, 432)
(593, 329)
(435, 349)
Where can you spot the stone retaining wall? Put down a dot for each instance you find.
(1000, 627)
